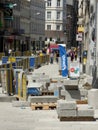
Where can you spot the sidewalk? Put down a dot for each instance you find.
(16, 118)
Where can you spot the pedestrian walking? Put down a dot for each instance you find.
(75, 55)
(9, 52)
(57, 56)
(51, 57)
(72, 55)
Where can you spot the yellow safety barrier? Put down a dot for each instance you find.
(22, 88)
(13, 54)
(27, 53)
(17, 53)
(7, 80)
(12, 59)
(1, 55)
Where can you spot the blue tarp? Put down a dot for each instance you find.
(33, 91)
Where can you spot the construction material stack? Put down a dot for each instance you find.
(70, 111)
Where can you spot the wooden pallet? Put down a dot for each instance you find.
(43, 106)
(54, 81)
(82, 102)
(77, 119)
(47, 93)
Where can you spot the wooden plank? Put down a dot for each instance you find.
(77, 118)
(82, 102)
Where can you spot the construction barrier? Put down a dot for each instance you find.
(16, 71)
(4, 59)
(31, 62)
(22, 86)
(7, 81)
(8, 76)
(26, 61)
(17, 53)
(1, 55)
(12, 59)
(27, 53)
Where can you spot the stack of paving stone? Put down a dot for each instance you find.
(20, 104)
(42, 78)
(66, 109)
(85, 112)
(71, 84)
(93, 98)
(70, 111)
(42, 99)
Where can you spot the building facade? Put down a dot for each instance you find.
(60, 23)
(54, 22)
(87, 11)
(37, 24)
(6, 24)
(21, 28)
(71, 22)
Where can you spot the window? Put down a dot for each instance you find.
(58, 27)
(48, 27)
(48, 15)
(58, 15)
(58, 3)
(48, 2)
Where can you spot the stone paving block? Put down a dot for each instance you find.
(47, 80)
(83, 92)
(74, 94)
(42, 99)
(69, 82)
(63, 93)
(85, 111)
(7, 98)
(71, 94)
(63, 104)
(93, 98)
(66, 113)
(20, 104)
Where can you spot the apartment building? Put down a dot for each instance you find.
(24, 24)
(87, 19)
(55, 19)
(61, 21)
(37, 24)
(71, 22)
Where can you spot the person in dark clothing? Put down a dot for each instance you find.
(57, 56)
(51, 57)
(72, 55)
